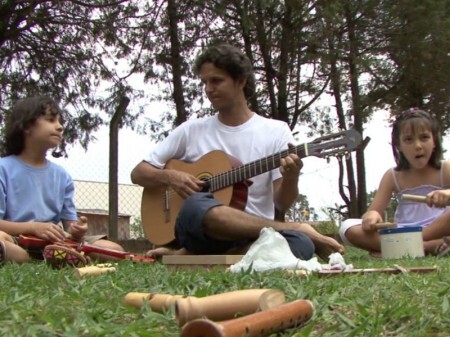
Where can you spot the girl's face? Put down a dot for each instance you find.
(416, 142)
(46, 132)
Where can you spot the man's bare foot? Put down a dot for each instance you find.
(161, 251)
(444, 248)
(325, 245)
(375, 254)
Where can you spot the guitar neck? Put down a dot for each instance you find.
(253, 169)
(326, 146)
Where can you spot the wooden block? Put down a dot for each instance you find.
(200, 261)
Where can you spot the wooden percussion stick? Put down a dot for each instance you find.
(418, 198)
(260, 324)
(385, 225)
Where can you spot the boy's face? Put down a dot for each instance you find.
(220, 88)
(46, 132)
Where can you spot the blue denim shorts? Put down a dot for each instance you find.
(189, 227)
(190, 235)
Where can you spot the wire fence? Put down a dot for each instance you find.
(92, 200)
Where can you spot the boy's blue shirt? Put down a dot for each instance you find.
(29, 193)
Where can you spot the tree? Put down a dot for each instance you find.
(60, 48)
(295, 212)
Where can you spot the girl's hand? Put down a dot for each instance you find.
(370, 219)
(47, 231)
(439, 198)
(78, 229)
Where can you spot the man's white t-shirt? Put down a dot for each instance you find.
(256, 139)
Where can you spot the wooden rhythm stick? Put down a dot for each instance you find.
(93, 270)
(395, 270)
(418, 198)
(385, 225)
(260, 324)
(333, 272)
(413, 197)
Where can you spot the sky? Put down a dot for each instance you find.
(319, 179)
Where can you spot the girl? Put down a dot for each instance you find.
(420, 170)
(36, 194)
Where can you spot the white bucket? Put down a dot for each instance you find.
(401, 242)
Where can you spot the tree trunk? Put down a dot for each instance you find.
(176, 63)
(113, 167)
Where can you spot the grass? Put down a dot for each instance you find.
(36, 300)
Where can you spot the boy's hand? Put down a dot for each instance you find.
(78, 229)
(47, 231)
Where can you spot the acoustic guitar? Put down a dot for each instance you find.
(228, 180)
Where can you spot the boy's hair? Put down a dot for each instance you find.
(22, 116)
(232, 60)
(416, 118)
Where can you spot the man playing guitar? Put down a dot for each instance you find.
(205, 225)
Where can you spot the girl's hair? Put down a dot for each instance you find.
(22, 116)
(416, 118)
(233, 61)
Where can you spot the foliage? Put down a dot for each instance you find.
(390, 210)
(68, 50)
(294, 213)
(39, 301)
(327, 65)
(136, 229)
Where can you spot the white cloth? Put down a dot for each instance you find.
(256, 139)
(271, 251)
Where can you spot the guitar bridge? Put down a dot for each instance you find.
(166, 206)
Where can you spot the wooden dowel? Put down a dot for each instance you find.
(418, 198)
(412, 197)
(385, 225)
(92, 270)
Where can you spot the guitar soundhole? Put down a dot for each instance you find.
(206, 186)
(205, 176)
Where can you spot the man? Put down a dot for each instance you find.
(204, 225)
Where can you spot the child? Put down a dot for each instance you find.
(36, 194)
(420, 170)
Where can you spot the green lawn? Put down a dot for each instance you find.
(39, 301)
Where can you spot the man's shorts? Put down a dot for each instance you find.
(190, 235)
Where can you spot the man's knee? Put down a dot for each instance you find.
(300, 244)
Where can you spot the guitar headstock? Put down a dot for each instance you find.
(339, 143)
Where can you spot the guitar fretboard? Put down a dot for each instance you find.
(252, 169)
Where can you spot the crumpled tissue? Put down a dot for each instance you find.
(271, 251)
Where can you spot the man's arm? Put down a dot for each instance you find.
(182, 183)
(147, 175)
